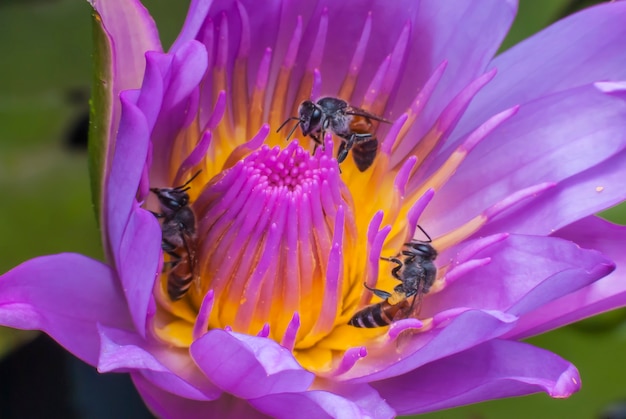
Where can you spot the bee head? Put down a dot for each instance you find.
(172, 199)
(310, 116)
(422, 249)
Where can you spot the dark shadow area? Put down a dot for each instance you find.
(42, 380)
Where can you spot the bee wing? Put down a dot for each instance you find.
(351, 110)
(409, 307)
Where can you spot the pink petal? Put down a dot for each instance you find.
(66, 296)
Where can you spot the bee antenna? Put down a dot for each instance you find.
(185, 187)
(425, 234)
(293, 118)
(292, 130)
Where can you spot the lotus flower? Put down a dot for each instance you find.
(502, 161)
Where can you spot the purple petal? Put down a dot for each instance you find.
(170, 369)
(593, 190)
(179, 102)
(475, 327)
(131, 151)
(493, 370)
(127, 20)
(248, 366)
(261, 25)
(196, 16)
(65, 296)
(138, 265)
(549, 140)
(168, 405)
(365, 397)
(150, 98)
(525, 272)
(433, 37)
(188, 68)
(606, 294)
(437, 38)
(317, 404)
(580, 49)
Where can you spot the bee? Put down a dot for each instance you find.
(178, 229)
(353, 125)
(416, 272)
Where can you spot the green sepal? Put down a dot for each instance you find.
(100, 113)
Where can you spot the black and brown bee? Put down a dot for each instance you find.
(178, 229)
(353, 125)
(416, 272)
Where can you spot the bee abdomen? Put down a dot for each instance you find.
(177, 286)
(364, 153)
(370, 317)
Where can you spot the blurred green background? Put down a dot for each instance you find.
(46, 204)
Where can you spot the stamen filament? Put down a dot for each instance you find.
(279, 98)
(420, 102)
(201, 325)
(473, 225)
(289, 338)
(347, 87)
(194, 158)
(391, 75)
(257, 104)
(375, 85)
(459, 271)
(220, 81)
(240, 78)
(447, 169)
(314, 61)
(348, 360)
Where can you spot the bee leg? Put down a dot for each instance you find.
(168, 247)
(414, 309)
(317, 141)
(345, 147)
(379, 293)
(171, 264)
(157, 215)
(395, 270)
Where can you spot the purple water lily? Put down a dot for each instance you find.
(502, 161)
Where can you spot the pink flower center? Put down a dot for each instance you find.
(271, 231)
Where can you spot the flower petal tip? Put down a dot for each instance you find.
(567, 384)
